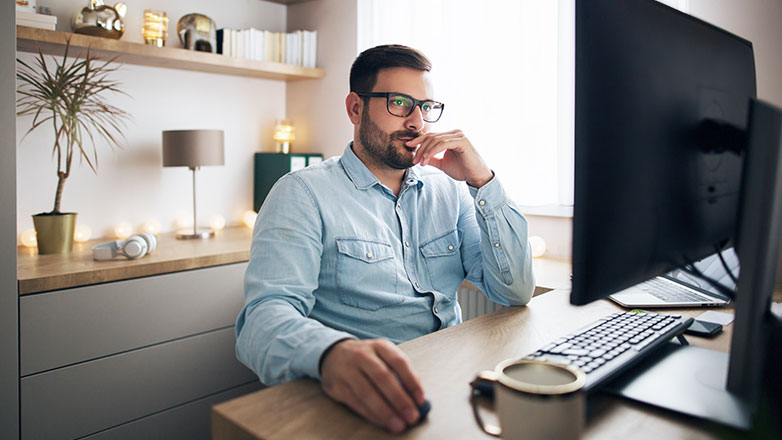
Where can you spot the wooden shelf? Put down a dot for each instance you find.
(53, 43)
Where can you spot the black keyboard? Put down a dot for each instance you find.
(612, 344)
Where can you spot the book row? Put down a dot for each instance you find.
(299, 48)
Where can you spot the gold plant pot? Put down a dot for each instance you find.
(54, 232)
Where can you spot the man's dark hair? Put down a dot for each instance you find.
(363, 73)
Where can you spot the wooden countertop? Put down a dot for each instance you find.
(41, 273)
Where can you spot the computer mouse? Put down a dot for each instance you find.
(423, 410)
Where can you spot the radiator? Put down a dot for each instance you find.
(474, 303)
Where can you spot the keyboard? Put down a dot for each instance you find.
(613, 344)
(669, 291)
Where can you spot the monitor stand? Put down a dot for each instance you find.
(688, 380)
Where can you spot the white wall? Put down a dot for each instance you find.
(131, 184)
(759, 21)
(318, 107)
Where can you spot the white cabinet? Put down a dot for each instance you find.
(133, 356)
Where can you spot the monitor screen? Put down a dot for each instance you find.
(648, 197)
(713, 268)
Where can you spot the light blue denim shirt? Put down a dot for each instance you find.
(336, 255)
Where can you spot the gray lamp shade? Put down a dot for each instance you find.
(193, 148)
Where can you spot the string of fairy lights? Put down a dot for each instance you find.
(83, 233)
(123, 230)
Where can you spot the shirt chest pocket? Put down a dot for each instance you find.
(444, 262)
(366, 274)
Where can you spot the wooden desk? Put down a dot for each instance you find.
(446, 362)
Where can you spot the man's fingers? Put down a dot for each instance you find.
(386, 382)
(436, 144)
(435, 162)
(373, 405)
(398, 361)
(374, 379)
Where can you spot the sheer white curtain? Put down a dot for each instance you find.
(505, 71)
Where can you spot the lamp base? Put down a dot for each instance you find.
(188, 234)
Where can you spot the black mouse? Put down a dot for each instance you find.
(423, 410)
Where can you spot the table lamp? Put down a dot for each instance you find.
(284, 135)
(193, 149)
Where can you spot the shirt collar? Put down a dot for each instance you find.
(360, 175)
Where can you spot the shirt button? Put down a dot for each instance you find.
(496, 245)
(482, 202)
(450, 247)
(435, 309)
(407, 244)
(416, 284)
(369, 255)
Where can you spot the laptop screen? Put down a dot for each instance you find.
(712, 267)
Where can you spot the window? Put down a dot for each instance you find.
(505, 71)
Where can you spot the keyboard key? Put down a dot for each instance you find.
(575, 351)
(560, 348)
(597, 353)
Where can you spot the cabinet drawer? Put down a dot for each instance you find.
(74, 325)
(190, 421)
(86, 398)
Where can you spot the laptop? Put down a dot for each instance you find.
(680, 289)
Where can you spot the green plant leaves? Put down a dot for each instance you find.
(70, 95)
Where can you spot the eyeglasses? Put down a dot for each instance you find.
(399, 104)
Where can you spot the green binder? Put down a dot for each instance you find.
(269, 167)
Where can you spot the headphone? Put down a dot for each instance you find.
(133, 247)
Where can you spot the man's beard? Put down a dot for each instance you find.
(380, 147)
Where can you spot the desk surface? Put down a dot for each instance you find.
(446, 362)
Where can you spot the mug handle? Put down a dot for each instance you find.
(481, 380)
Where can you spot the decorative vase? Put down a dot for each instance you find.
(54, 232)
(100, 20)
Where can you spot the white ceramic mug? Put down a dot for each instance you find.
(535, 399)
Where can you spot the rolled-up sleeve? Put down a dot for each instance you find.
(496, 252)
(274, 335)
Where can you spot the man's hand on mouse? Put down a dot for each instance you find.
(461, 160)
(375, 379)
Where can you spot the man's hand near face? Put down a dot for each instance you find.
(375, 379)
(461, 161)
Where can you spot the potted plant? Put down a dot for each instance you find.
(68, 98)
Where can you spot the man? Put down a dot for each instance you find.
(370, 247)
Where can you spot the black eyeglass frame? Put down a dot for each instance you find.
(416, 103)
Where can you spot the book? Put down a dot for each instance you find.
(32, 19)
(35, 24)
(268, 46)
(32, 16)
(219, 40)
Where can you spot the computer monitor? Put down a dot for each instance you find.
(666, 169)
